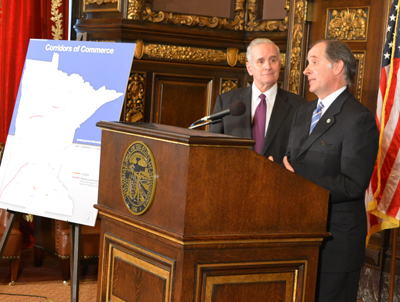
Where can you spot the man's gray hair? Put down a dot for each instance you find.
(258, 42)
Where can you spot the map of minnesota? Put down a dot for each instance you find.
(42, 163)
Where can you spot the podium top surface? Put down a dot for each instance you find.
(176, 134)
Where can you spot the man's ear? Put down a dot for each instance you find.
(248, 66)
(338, 67)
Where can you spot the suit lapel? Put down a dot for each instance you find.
(327, 121)
(245, 119)
(278, 115)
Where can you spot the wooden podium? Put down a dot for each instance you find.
(225, 224)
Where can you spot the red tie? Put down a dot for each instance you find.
(258, 128)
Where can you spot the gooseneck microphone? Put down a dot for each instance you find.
(235, 109)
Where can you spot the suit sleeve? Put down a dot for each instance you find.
(218, 127)
(358, 154)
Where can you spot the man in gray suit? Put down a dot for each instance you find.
(334, 142)
(264, 65)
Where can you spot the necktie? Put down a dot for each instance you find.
(316, 116)
(258, 128)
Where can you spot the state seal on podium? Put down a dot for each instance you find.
(138, 178)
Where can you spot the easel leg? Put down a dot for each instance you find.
(395, 234)
(75, 235)
(7, 231)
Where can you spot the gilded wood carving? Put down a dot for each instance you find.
(237, 23)
(360, 57)
(135, 98)
(347, 24)
(56, 17)
(228, 84)
(295, 57)
(270, 25)
(134, 9)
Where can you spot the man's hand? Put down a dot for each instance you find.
(287, 165)
(271, 158)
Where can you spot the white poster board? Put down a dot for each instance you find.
(51, 160)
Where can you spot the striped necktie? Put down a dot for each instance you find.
(316, 116)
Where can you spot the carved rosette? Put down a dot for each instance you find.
(298, 27)
(348, 24)
(56, 17)
(271, 25)
(360, 57)
(237, 23)
(228, 84)
(134, 9)
(242, 59)
(135, 98)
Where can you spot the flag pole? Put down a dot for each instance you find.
(395, 233)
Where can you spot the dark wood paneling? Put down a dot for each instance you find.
(144, 285)
(259, 292)
(181, 100)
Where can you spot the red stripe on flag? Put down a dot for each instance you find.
(395, 203)
(392, 91)
(390, 157)
(383, 83)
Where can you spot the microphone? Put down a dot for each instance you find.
(235, 109)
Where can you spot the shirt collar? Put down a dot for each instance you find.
(330, 98)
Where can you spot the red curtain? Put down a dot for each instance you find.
(19, 22)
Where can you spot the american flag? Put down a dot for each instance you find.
(382, 198)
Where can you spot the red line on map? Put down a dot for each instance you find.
(13, 178)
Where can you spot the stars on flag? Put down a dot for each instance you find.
(390, 42)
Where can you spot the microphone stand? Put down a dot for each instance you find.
(193, 126)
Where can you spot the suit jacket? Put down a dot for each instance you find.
(285, 106)
(339, 155)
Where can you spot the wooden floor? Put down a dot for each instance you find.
(50, 270)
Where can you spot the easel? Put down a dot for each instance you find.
(395, 234)
(75, 235)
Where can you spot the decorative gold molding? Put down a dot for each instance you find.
(228, 84)
(237, 23)
(295, 56)
(135, 98)
(99, 2)
(232, 56)
(139, 49)
(184, 53)
(134, 9)
(101, 5)
(270, 25)
(360, 57)
(56, 29)
(347, 24)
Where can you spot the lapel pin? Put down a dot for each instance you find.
(328, 120)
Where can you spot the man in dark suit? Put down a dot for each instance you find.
(264, 65)
(336, 149)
